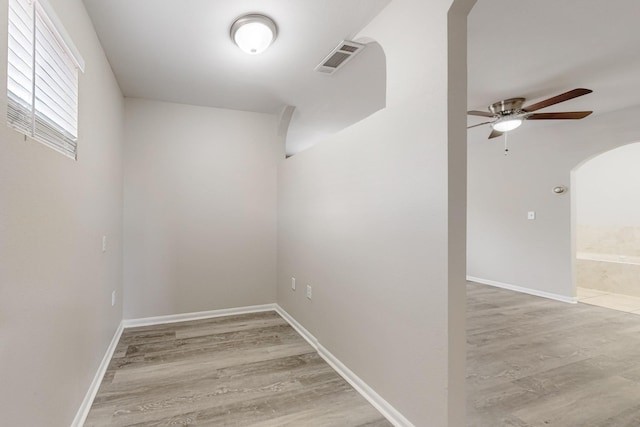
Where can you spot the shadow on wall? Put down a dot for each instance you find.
(358, 89)
(607, 221)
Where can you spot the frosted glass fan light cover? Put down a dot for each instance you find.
(253, 33)
(506, 125)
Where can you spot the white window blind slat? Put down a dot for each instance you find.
(19, 30)
(19, 72)
(65, 64)
(42, 100)
(46, 107)
(20, 92)
(48, 77)
(21, 15)
(61, 34)
(51, 107)
(20, 116)
(56, 140)
(19, 63)
(48, 83)
(61, 79)
(20, 67)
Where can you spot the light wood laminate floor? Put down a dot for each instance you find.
(245, 370)
(537, 362)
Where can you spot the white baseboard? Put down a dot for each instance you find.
(298, 327)
(385, 408)
(85, 406)
(393, 415)
(184, 317)
(549, 295)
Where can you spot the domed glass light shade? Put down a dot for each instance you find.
(254, 33)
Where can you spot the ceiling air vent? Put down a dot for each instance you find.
(339, 56)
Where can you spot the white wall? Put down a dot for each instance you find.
(200, 208)
(364, 216)
(504, 246)
(608, 189)
(56, 319)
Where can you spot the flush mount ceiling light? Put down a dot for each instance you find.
(507, 124)
(254, 33)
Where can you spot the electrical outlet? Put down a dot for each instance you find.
(104, 243)
(113, 298)
(309, 291)
(293, 283)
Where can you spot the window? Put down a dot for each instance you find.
(42, 76)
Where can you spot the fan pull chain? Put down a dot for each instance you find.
(506, 147)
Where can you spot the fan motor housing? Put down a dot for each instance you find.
(507, 107)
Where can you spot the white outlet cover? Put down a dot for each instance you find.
(104, 243)
(293, 283)
(113, 298)
(531, 215)
(309, 293)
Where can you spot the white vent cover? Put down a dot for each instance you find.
(339, 56)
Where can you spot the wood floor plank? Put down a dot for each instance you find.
(536, 362)
(219, 389)
(245, 370)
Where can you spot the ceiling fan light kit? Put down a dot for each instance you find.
(509, 114)
(506, 124)
(254, 33)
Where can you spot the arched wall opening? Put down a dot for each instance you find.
(606, 227)
(352, 93)
(506, 248)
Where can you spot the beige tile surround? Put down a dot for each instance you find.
(608, 266)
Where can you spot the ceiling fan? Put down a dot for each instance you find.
(510, 113)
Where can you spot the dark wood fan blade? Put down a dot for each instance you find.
(479, 124)
(569, 115)
(479, 113)
(557, 99)
(494, 134)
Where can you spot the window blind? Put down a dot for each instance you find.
(20, 66)
(42, 84)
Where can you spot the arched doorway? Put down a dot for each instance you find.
(606, 204)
